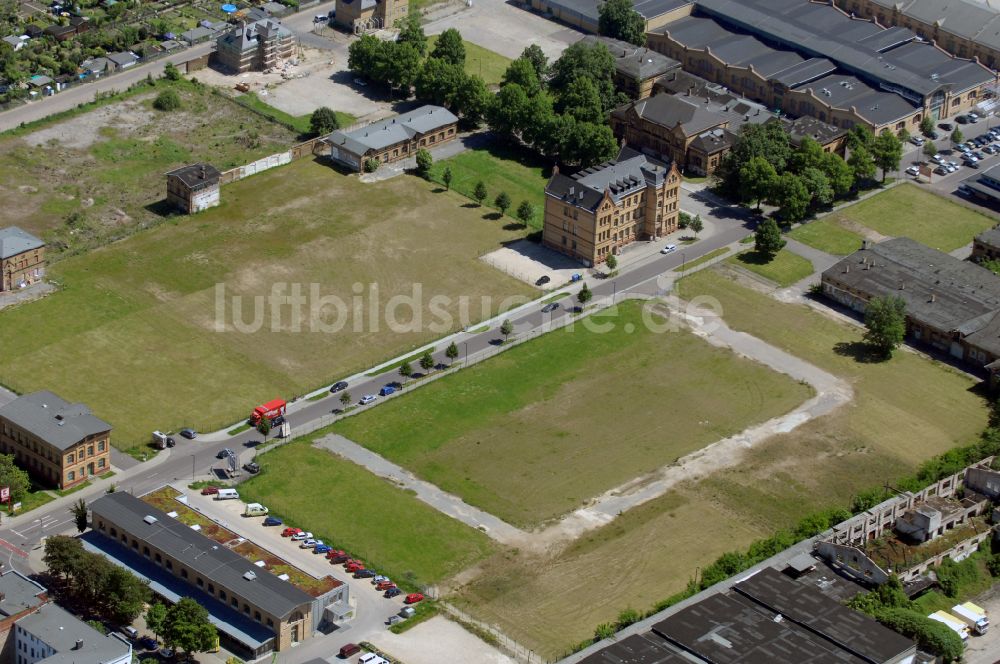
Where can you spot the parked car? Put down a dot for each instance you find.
(550, 307)
(972, 164)
(973, 116)
(933, 135)
(669, 249)
(938, 158)
(301, 535)
(171, 442)
(322, 548)
(290, 531)
(309, 543)
(252, 467)
(351, 568)
(962, 119)
(951, 166)
(273, 521)
(413, 598)
(339, 386)
(576, 277)
(917, 140)
(542, 280)
(166, 653)
(379, 578)
(384, 585)
(386, 390)
(222, 454)
(393, 592)
(913, 170)
(979, 155)
(364, 574)
(337, 553)
(367, 399)
(148, 643)
(349, 649)
(961, 147)
(360, 82)
(210, 491)
(190, 434)
(941, 170)
(131, 632)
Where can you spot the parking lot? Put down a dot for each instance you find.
(954, 163)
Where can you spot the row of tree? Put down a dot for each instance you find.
(184, 626)
(764, 167)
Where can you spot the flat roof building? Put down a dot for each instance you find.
(194, 188)
(585, 14)
(51, 635)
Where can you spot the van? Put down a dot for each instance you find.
(349, 649)
(227, 494)
(130, 632)
(370, 658)
(255, 509)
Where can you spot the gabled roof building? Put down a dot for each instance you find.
(394, 138)
(256, 46)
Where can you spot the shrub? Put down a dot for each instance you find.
(935, 637)
(371, 165)
(168, 100)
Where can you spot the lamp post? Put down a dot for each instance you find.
(683, 261)
(466, 344)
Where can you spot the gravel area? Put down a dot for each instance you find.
(439, 640)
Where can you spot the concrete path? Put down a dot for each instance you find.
(962, 252)
(32, 292)
(821, 261)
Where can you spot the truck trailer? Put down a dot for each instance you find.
(954, 623)
(973, 616)
(271, 410)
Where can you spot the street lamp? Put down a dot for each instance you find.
(192, 467)
(683, 261)
(466, 344)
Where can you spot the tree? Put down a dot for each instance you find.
(446, 177)
(808, 155)
(168, 100)
(791, 196)
(363, 54)
(620, 20)
(323, 121)
(124, 595)
(767, 238)
(451, 352)
(506, 327)
(14, 478)
(838, 174)
(612, 262)
(426, 361)
(885, 324)
(502, 202)
(757, 180)
(79, 512)
(471, 99)
(171, 73)
(926, 126)
(862, 164)
(587, 60)
(859, 136)
(424, 162)
(480, 193)
(345, 399)
(411, 32)
(439, 82)
(696, 225)
(522, 71)
(903, 135)
(887, 151)
(818, 185)
(450, 48)
(930, 149)
(769, 141)
(264, 426)
(536, 56)
(509, 110)
(525, 213)
(585, 295)
(186, 626)
(405, 370)
(581, 100)
(63, 555)
(400, 65)
(930, 635)
(957, 136)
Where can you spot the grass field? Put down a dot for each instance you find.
(95, 176)
(532, 433)
(489, 65)
(904, 411)
(703, 259)
(829, 236)
(351, 509)
(297, 123)
(784, 269)
(501, 168)
(907, 210)
(137, 320)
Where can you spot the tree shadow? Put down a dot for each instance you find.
(859, 351)
(514, 226)
(493, 216)
(470, 206)
(438, 190)
(754, 257)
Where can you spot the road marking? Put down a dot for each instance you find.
(13, 549)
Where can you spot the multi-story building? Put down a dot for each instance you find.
(809, 58)
(359, 16)
(597, 211)
(193, 188)
(60, 443)
(394, 138)
(636, 67)
(256, 46)
(51, 635)
(22, 258)
(966, 28)
(256, 611)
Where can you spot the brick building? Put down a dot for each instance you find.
(598, 210)
(60, 443)
(986, 246)
(193, 188)
(359, 16)
(636, 67)
(394, 138)
(256, 46)
(22, 258)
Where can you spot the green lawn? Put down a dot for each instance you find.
(534, 432)
(491, 66)
(829, 236)
(785, 269)
(297, 123)
(138, 319)
(907, 210)
(501, 168)
(703, 259)
(366, 516)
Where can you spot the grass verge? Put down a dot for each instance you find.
(238, 430)
(422, 612)
(415, 357)
(487, 64)
(690, 265)
(784, 269)
(297, 123)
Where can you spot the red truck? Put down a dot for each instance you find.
(270, 410)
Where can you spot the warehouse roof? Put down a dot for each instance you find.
(648, 9)
(844, 91)
(635, 61)
(53, 419)
(203, 555)
(972, 19)
(638, 649)
(807, 126)
(990, 238)
(14, 241)
(391, 131)
(73, 640)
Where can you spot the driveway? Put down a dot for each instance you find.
(986, 649)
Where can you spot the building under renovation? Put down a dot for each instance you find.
(256, 46)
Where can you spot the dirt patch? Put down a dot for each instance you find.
(83, 131)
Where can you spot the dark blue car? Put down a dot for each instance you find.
(322, 548)
(392, 592)
(386, 391)
(364, 574)
(273, 521)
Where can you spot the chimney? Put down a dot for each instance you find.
(933, 297)
(690, 88)
(902, 285)
(78, 645)
(847, 269)
(555, 170)
(203, 171)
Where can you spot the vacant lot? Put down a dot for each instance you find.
(905, 210)
(351, 509)
(904, 411)
(95, 176)
(519, 173)
(784, 268)
(134, 333)
(827, 235)
(535, 432)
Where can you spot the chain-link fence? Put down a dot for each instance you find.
(491, 634)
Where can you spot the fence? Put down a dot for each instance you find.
(491, 634)
(271, 161)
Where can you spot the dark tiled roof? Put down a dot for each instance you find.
(197, 176)
(203, 555)
(53, 419)
(637, 649)
(635, 61)
(806, 126)
(672, 110)
(631, 172)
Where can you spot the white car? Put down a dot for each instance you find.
(301, 536)
(309, 543)
(367, 399)
(951, 167)
(917, 140)
(913, 170)
(938, 159)
(669, 249)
